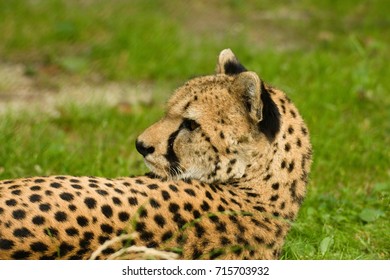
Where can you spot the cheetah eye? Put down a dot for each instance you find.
(189, 124)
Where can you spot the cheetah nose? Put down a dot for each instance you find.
(142, 149)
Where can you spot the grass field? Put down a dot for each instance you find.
(330, 57)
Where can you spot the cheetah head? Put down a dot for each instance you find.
(215, 126)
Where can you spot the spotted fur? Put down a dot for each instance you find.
(229, 161)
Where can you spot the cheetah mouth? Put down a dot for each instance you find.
(157, 168)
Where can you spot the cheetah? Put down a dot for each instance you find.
(229, 166)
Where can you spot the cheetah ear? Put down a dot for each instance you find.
(261, 108)
(228, 63)
(247, 87)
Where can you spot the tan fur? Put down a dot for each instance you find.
(232, 194)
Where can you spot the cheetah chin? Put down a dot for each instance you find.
(230, 162)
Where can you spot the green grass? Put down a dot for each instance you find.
(331, 58)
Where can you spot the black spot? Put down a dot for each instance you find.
(165, 195)
(299, 143)
(72, 207)
(196, 214)
(199, 230)
(224, 241)
(123, 216)
(259, 208)
(178, 219)
(55, 185)
(38, 220)
(236, 202)
(270, 123)
(74, 180)
(39, 247)
(143, 213)
(173, 207)
(304, 130)
(67, 196)
(102, 192)
(290, 167)
(103, 239)
(107, 210)
(160, 220)
(167, 235)
(22, 232)
(259, 240)
(249, 194)
(20, 255)
(221, 227)
(205, 206)
(16, 192)
(10, 202)
(52, 232)
(65, 248)
(221, 208)
(82, 221)
(146, 235)
(275, 186)
(106, 228)
(173, 188)
(290, 130)
(196, 254)
(279, 231)
(118, 191)
(208, 195)
(153, 186)
(274, 197)
(19, 214)
(216, 253)
(95, 186)
(86, 241)
(39, 180)
(287, 147)
(190, 192)
(72, 231)
(8, 182)
(266, 178)
(35, 188)
(90, 202)
(75, 186)
(188, 206)
(133, 201)
(224, 201)
(6, 244)
(283, 164)
(116, 201)
(221, 135)
(154, 203)
(48, 192)
(35, 198)
(44, 207)
(60, 216)
(293, 114)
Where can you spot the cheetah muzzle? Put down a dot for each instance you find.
(229, 160)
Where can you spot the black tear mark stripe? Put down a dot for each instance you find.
(171, 155)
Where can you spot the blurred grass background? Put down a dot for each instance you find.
(331, 57)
